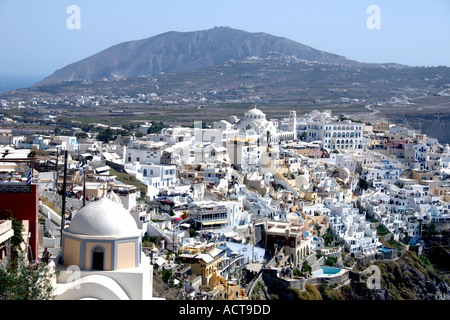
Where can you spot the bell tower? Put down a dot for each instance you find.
(293, 123)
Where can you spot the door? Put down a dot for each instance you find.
(98, 259)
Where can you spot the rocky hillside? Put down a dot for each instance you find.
(410, 277)
(181, 51)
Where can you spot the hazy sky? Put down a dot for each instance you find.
(35, 39)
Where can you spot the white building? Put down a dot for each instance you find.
(337, 135)
(155, 177)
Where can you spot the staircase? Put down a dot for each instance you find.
(313, 263)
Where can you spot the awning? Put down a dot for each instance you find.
(102, 169)
(77, 188)
(8, 234)
(230, 234)
(214, 222)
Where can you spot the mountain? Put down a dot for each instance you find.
(184, 51)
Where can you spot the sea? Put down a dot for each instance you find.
(10, 81)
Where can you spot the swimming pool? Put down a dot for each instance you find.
(326, 271)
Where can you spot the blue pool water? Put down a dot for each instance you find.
(385, 250)
(326, 271)
(329, 270)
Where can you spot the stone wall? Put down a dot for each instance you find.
(442, 225)
(56, 199)
(272, 281)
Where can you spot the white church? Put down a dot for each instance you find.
(255, 119)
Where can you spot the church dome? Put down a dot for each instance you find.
(103, 218)
(255, 114)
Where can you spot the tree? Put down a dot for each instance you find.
(81, 135)
(105, 135)
(168, 277)
(192, 232)
(268, 138)
(363, 184)
(156, 127)
(331, 261)
(17, 238)
(306, 267)
(328, 238)
(22, 281)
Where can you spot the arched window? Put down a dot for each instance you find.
(98, 258)
(145, 172)
(151, 172)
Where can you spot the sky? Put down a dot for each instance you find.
(35, 38)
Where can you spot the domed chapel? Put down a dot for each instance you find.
(102, 236)
(101, 256)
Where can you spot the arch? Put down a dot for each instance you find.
(99, 287)
(145, 173)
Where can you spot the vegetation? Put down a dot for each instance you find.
(192, 232)
(328, 292)
(17, 238)
(331, 261)
(259, 292)
(128, 179)
(382, 230)
(148, 241)
(310, 293)
(168, 277)
(363, 184)
(328, 238)
(156, 127)
(306, 267)
(21, 280)
(108, 134)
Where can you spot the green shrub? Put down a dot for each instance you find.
(331, 261)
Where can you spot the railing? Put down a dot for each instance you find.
(15, 188)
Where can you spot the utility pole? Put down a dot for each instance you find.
(57, 158)
(84, 187)
(63, 210)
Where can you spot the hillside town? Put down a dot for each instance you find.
(214, 210)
